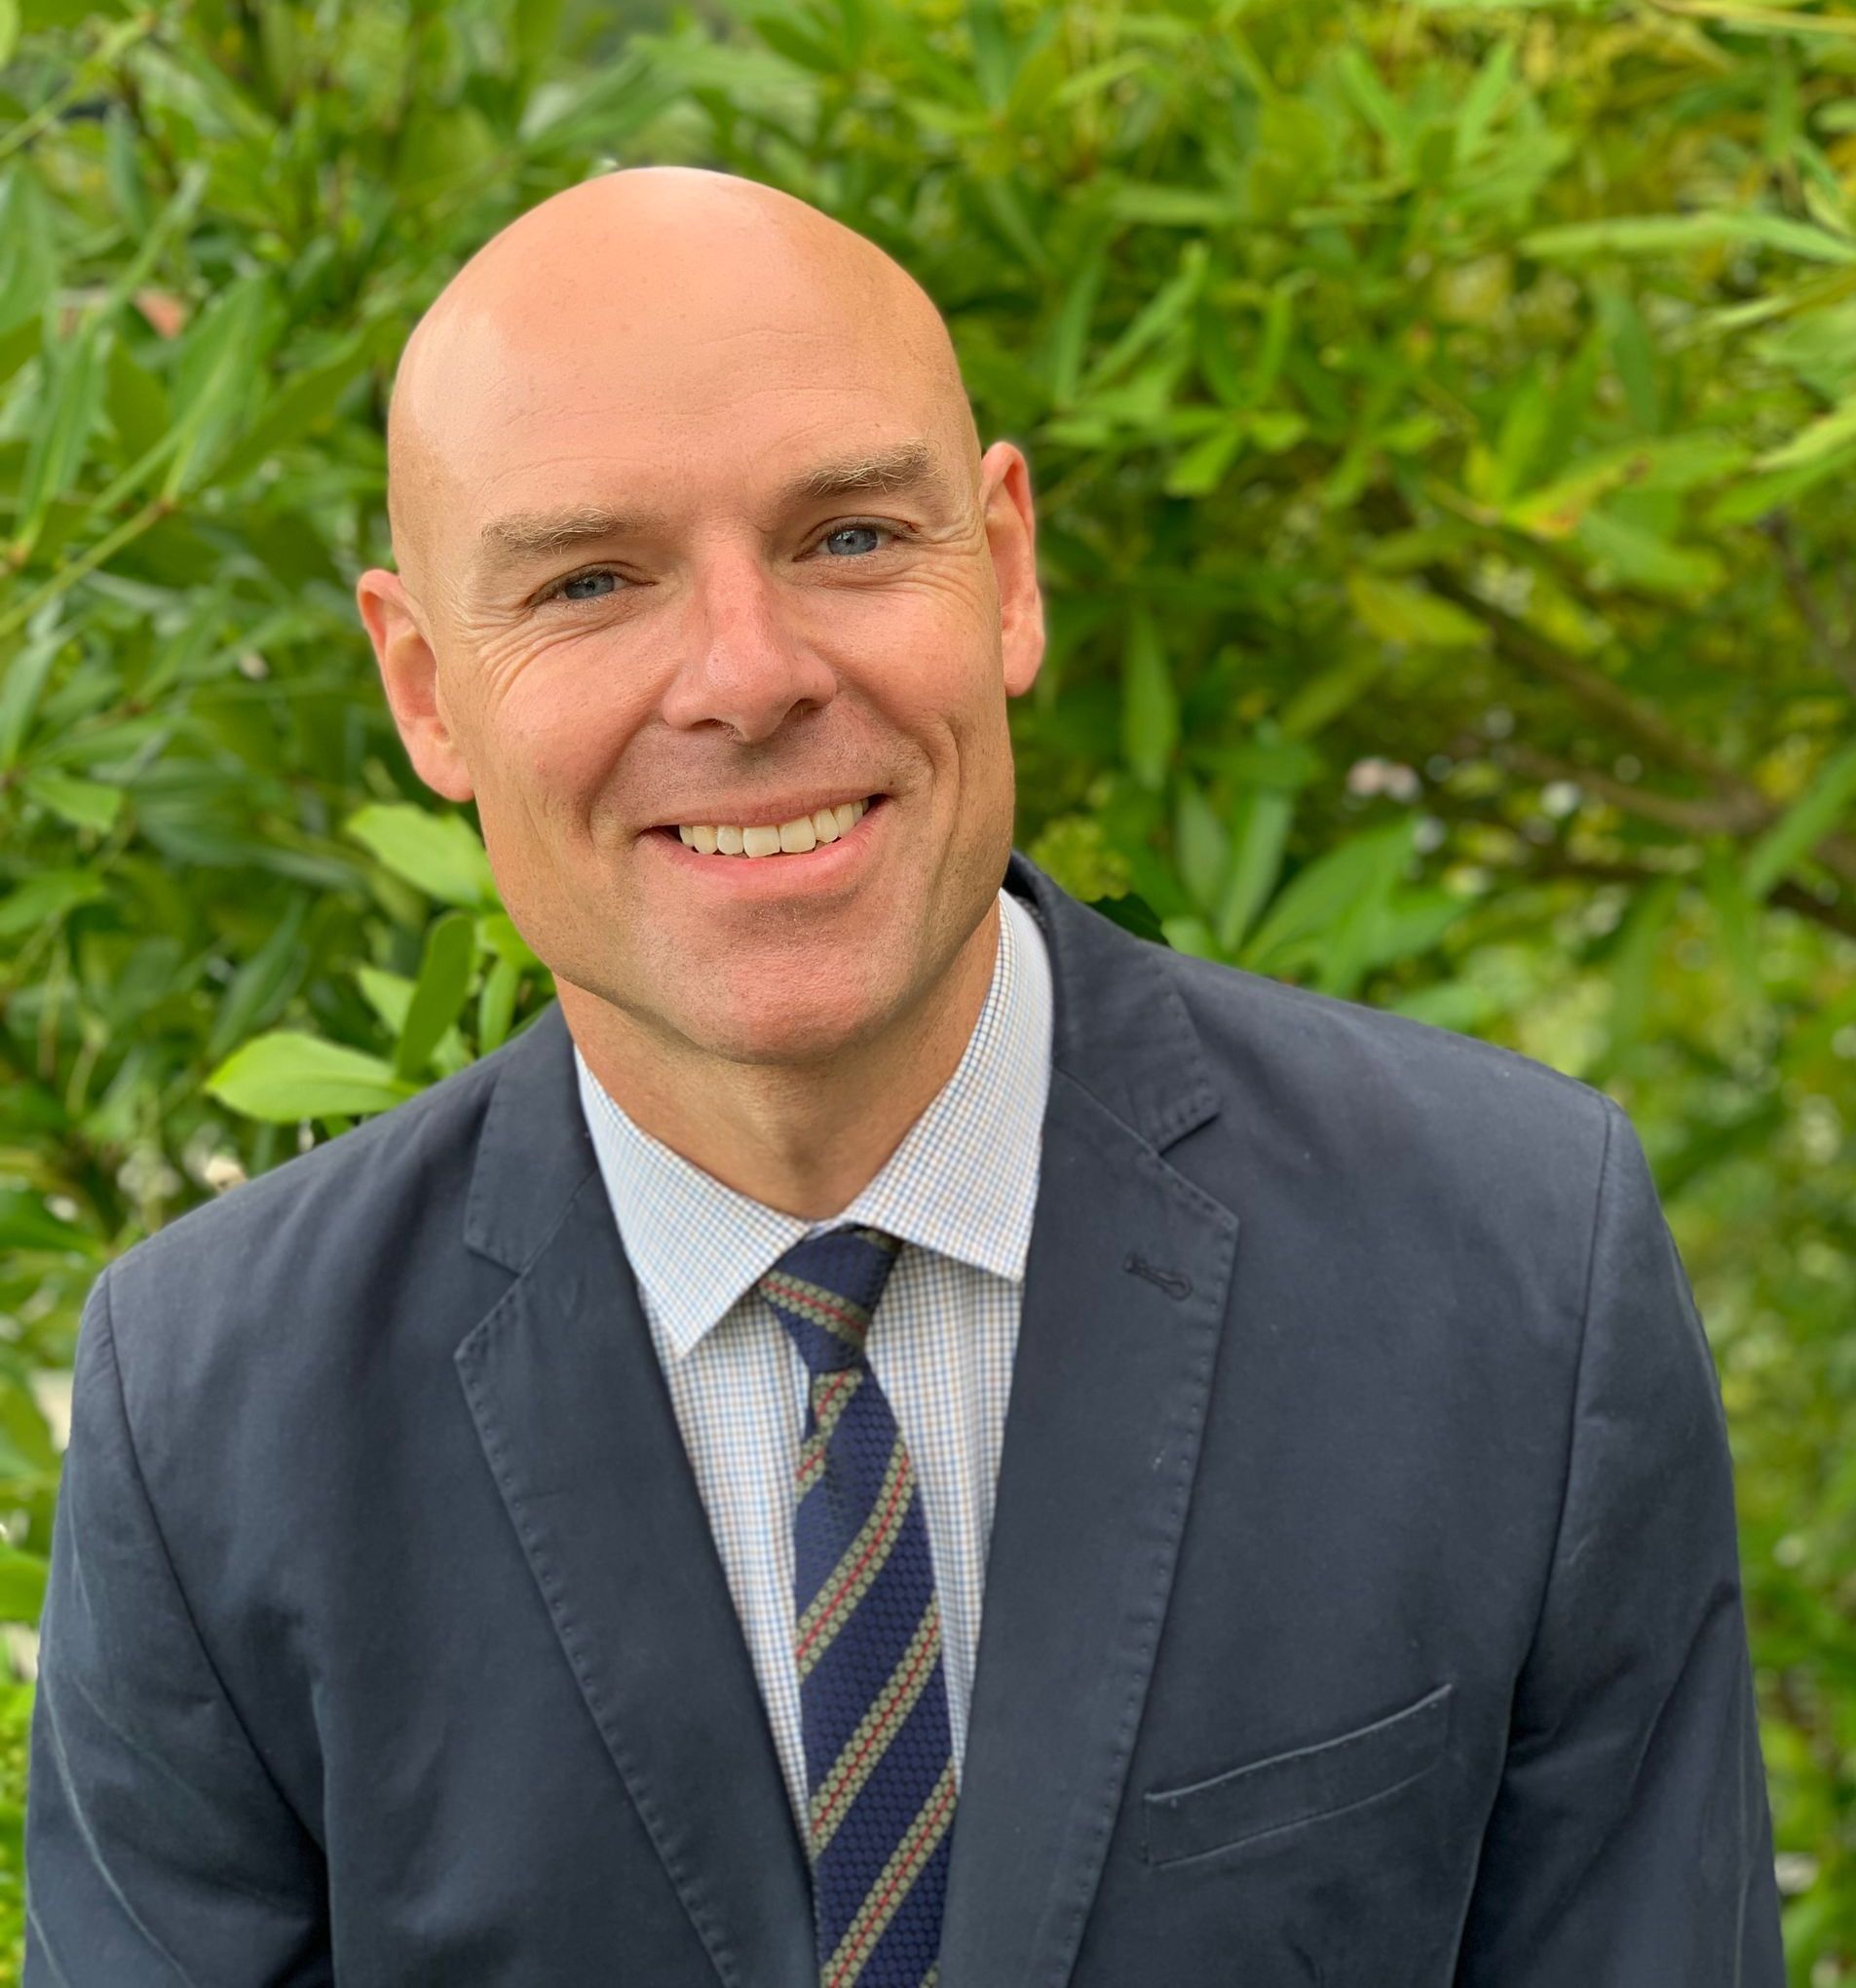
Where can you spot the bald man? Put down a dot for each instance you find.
(897, 1434)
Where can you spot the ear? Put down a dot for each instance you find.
(409, 671)
(1011, 533)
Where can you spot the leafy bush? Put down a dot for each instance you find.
(1438, 415)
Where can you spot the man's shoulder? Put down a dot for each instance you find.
(1303, 1021)
(1368, 1086)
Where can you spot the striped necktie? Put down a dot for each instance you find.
(867, 1635)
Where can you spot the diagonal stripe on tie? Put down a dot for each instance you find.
(863, 1752)
(862, 1560)
(866, 1634)
(885, 1897)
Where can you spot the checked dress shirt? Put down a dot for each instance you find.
(962, 1186)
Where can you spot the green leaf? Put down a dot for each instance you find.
(23, 1579)
(1159, 315)
(1803, 826)
(1759, 495)
(797, 37)
(1637, 557)
(1736, 917)
(1260, 829)
(387, 994)
(1201, 846)
(60, 435)
(1632, 356)
(1457, 1005)
(1318, 900)
(136, 401)
(84, 803)
(1070, 329)
(444, 975)
(496, 933)
(601, 105)
(21, 688)
(1374, 102)
(1332, 692)
(1831, 433)
(28, 259)
(1149, 704)
(286, 1075)
(219, 366)
(994, 60)
(437, 854)
(298, 406)
(496, 1005)
(46, 898)
(1679, 234)
(1561, 506)
(1358, 937)
(1187, 934)
(264, 980)
(1201, 468)
(1399, 612)
(1634, 962)
(1484, 98)
(535, 31)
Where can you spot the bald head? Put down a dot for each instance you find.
(634, 294)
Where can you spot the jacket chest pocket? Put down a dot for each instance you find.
(1298, 1786)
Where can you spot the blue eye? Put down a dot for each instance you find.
(846, 530)
(583, 580)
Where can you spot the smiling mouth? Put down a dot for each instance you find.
(773, 839)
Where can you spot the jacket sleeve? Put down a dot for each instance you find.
(158, 1849)
(1630, 1840)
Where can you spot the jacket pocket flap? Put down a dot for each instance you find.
(1297, 1786)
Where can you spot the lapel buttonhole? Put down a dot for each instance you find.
(1169, 1281)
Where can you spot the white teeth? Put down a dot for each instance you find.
(794, 837)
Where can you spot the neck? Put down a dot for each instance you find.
(808, 1141)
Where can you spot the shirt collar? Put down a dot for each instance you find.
(964, 1180)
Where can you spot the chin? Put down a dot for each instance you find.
(756, 1038)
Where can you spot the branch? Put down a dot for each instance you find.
(1548, 861)
(1838, 656)
(1596, 691)
(1521, 644)
(1735, 816)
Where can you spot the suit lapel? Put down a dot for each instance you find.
(577, 1425)
(1125, 1299)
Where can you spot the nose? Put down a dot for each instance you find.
(745, 665)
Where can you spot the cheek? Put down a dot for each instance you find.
(556, 732)
(924, 651)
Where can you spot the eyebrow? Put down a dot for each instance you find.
(525, 535)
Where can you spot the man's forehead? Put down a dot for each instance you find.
(596, 360)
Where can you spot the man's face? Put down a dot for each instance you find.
(658, 596)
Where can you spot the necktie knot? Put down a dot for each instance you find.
(824, 1290)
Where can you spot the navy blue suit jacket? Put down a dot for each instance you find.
(1362, 1606)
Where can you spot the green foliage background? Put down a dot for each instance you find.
(1440, 417)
